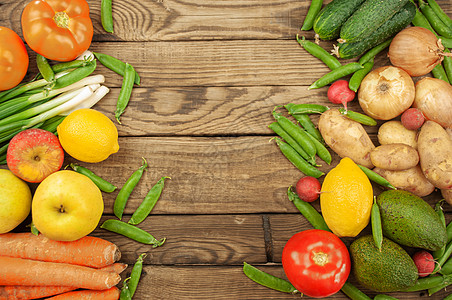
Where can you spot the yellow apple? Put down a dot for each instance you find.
(66, 206)
(15, 201)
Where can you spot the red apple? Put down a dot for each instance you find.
(34, 154)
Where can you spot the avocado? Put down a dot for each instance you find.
(388, 270)
(410, 221)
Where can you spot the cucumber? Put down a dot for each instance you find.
(390, 28)
(368, 18)
(330, 19)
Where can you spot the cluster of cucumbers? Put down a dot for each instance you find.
(360, 25)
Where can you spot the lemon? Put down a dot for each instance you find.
(15, 201)
(88, 135)
(346, 199)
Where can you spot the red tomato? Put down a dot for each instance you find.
(13, 59)
(316, 262)
(57, 29)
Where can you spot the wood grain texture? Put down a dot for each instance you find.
(210, 111)
(208, 174)
(195, 240)
(212, 71)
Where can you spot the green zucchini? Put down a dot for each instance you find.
(390, 28)
(330, 19)
(368, 18)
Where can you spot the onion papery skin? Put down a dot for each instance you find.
(386, 92)
(434, 99)
(416, 50)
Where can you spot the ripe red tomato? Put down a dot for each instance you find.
(316, 262)
(13, 59)
(59, 30)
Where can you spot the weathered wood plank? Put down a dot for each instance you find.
(208, 175)
(169, 20)
(195, 240)
(226, 282)
(200, 111)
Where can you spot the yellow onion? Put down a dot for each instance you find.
(386, 92)
(434, 99)
(416, 50)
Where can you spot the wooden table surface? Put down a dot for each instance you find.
(212, 72)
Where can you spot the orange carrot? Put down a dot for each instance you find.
(110, 294)
(20, 271)
(116, 268)
(31, 292)
(88, 251)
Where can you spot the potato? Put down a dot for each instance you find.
(447, 195)
(346, 137)
(435, 154)
(411, 180)
(394, 132)
(394, 157)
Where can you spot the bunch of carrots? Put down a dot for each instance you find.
(35, 267)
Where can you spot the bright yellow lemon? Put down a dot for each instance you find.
(346, 199)
(88, 135)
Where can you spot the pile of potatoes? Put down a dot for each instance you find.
(414, 160)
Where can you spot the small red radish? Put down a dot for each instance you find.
(412, 119)
(424, 262)
(340, 93)
(308, 188)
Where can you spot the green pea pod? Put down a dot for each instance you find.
(446, 42)
(132, 232)
(33, 228)
(135, 274)
(358, 76)
(434, 20)
(322, 151)
(148, 203)
(126, 190)
(125, 291)
(115, 65)
(320, 53)
(313, 11)
(376, 178)
(285, 136)
(440, 73)
(336, 74)
(101, 183)
(358, 117)
(125, 92)
(297, 160)
(353, 292)
(428, 282)
(75, 75)
(305, 108)
(439, 210)
(268, 280)
(44, 68)
(306, 122)
(297, 133)
(106, 15)
(308, 211)
(377, 231)
(440, 13)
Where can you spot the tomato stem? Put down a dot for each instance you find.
(320, 258)
(61, 19)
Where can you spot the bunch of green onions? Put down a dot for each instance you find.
(45, 101)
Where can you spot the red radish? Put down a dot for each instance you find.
(340, 93)
(308, 188)
(412, 119)
(424, 262)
